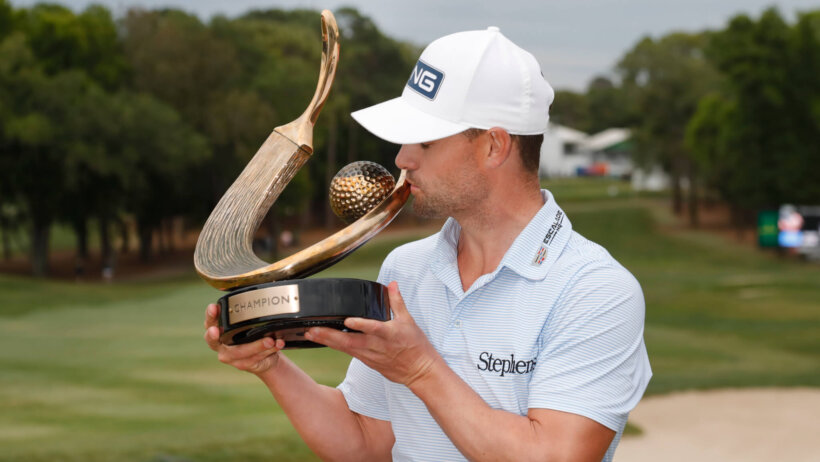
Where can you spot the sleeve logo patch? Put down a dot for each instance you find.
(425, 80)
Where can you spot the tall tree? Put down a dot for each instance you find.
(756, 138)
(6, 19)
(279, 54)
(56, 61)
(186, 64)
(157, 116)
(9, 211)
(667, 77)
(609, 105)
(33, 140)
(159, 151)
(570, 109)
(63, 41)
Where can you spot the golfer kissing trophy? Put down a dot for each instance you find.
(273, 300)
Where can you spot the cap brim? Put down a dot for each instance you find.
(398, 122)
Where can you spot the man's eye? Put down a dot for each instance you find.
(424, 145)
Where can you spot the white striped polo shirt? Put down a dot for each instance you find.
(558, 325)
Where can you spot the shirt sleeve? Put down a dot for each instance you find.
(364, 389)
(593, 360)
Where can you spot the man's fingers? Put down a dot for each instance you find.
(368, 326)
(255, 357)
(229, 354)
(211, 314)
(263, 354)
(336, 339)
(212, 337)
(396, 302)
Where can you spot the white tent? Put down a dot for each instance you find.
(562, 152)
(569, 152)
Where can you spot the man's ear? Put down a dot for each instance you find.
(499, 147)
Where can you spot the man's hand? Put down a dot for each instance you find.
(397, 349)
(256, 357)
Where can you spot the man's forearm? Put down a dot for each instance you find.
(400, 351)
(321, 416)
(483, 433)
(477, 430)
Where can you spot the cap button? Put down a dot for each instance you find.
(493, 29)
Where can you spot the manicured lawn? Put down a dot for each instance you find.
(588, 189)
(96, 372)
(62, 238)
(718, 314)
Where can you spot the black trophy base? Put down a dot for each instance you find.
(286, 309)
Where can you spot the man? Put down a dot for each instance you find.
(513, 337)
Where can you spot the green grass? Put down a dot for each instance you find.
(632, 430)
(568, 190)
(61, 238)
(718, 314)
(94, 372)
(115, 372)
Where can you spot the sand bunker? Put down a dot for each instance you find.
(727, 426)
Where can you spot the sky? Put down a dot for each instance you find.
(573, 40)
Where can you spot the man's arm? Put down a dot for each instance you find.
(400, 351)
(483, 433)
(319, 413)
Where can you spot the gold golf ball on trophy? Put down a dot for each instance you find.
(357, 188)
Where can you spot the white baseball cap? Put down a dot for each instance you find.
(475, 79)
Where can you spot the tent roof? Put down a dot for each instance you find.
(607, 138)
(566, 134)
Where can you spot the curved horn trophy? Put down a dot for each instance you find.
(270, 299)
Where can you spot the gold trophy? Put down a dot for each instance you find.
(273, 299)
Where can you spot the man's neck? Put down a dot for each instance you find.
(488, 233)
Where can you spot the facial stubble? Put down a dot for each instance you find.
(460, 194)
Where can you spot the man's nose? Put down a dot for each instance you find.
(407, 158)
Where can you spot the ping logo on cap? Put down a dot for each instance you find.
(425, 80)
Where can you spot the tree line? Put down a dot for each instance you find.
(151, 116)
(134, 121)
(732, 114)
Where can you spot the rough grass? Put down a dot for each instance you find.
(116, 372)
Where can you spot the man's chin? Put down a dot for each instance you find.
(423, 211)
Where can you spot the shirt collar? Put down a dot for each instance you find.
(541, 242)
(445, 257)
(531, 255)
